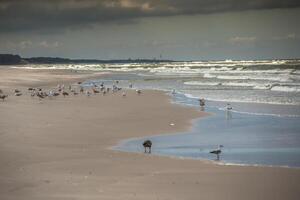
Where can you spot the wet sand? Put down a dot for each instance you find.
(60, 148)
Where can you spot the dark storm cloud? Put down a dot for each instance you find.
(20, 15)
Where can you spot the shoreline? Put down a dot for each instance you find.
(63, 153)
(118, 147)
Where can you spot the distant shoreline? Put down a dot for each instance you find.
(12, 59)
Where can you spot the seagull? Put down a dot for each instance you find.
(147, 144)
(3, 96)
(202, 102)
(56, 94)
(217, 151)
(87, 93)
(65, 93)
(40, 95)
(81, 90)
(228, 107)
(138, 92)
(95, 91)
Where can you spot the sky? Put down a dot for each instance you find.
(167, 29)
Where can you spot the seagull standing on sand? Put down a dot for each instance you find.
(18, 94)
(217, 151)
(65, 94)
(95, 91)
(87, 93)
(3, 96)
(81, 90)
(17, 91)
(139, 92)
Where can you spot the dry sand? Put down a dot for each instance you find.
(60, 149)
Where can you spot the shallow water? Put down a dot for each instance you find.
(247, 139)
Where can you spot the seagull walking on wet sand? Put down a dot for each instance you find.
(228, 107)
(202, 102)
(147, 144)
(217, 151)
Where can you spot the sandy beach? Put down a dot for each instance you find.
(60, 148)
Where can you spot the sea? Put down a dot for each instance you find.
(261, 129)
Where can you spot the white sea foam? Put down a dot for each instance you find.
(202, 83)
(262, 87)
(240, 100)
(286, 88)
(232, 84)
(208, 75)
(251, 165)
(239, 84)
(283, 78)
(292, 87)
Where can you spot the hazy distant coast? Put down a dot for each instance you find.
(11, 59)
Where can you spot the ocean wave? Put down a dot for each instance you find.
(208, 75)
(267, 78)
(262, 87)
(202, 83)
(286, 88)
(292, 87)
(232, 84)
(240, 100)
(239, 84)
(209, 69)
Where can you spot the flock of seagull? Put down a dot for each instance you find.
(64, 91)
(94, 89)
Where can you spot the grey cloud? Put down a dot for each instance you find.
(22, 15)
